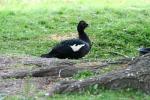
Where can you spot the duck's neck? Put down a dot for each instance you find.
(83, 36)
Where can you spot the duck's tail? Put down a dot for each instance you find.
(49, 55)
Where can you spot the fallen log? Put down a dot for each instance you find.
(136, 75)
(14, 69)
(50, 67)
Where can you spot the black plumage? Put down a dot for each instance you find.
(73, 48)
(144, 51)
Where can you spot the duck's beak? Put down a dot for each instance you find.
(139, 49)
(87, 25)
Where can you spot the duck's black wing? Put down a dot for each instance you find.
(64, 50)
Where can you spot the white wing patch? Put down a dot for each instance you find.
(76, 48)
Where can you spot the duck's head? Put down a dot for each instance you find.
(143, 51)
(82, 25)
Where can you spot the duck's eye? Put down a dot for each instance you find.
(85, 24)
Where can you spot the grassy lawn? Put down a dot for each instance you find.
(32, 27)
(102, 95)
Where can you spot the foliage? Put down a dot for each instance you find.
(115, 26)
(83, 74)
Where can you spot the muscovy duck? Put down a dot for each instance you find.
(144, 51)
(73, 48)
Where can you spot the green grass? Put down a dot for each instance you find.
(115, 26)
(102, 94)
